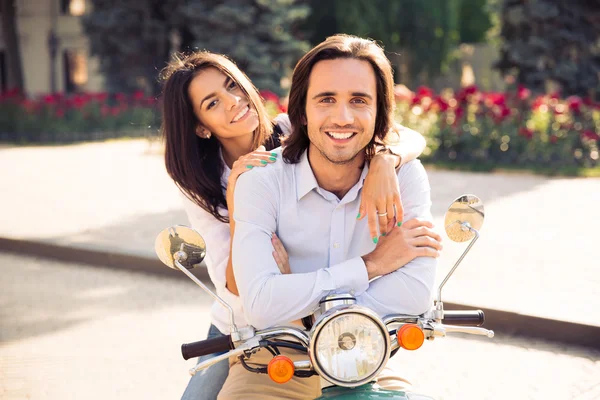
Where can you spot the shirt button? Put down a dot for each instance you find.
(336, 245)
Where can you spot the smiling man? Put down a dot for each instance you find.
(341, 104)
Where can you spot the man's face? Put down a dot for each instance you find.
(341, 107)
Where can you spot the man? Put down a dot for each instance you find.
(341, 103)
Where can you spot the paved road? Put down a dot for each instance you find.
(537, 255)
(72, 331)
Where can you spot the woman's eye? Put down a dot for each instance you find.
(232, 85)
(211, 104)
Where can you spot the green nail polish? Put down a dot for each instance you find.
(400, 223)
(273, 158)
(249, 166)
(375, 240)
(358, 216)
(383, 234)
(263, 162)
(274, 154)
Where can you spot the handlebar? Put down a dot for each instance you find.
(464, 317)
(208, 346)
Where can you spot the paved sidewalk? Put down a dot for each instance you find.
(71, 331)
(536, 256)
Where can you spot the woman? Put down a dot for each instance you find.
(216, 128)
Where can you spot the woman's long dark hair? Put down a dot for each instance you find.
(335, 47)
(192, 162)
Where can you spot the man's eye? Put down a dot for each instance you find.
(327, 100)
(359, 101)
(211, 104)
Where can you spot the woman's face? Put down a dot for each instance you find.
(221, 106)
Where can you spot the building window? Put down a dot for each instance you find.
(75, 8)
(76, 71)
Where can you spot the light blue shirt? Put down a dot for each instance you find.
(324, 242)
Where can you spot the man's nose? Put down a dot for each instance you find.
(343, 116)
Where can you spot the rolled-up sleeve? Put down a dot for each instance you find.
(408, 290)
(269, 297)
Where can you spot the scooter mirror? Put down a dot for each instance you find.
(182, 244)
(468, 209)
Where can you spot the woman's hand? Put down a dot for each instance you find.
(280, 255)
(258, 158)
(381, 195)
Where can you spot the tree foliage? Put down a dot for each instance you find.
(552, 41)
(424, 32)
(134, 39)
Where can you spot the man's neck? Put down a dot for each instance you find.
(335, 178)
(234, 148)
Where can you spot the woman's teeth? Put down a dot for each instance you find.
(241, 114)
(340, 135)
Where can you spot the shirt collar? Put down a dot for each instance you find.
(306, 181)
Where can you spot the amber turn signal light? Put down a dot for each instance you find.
(280, 369)
(410, 337)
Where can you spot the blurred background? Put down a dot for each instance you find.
(506, 93)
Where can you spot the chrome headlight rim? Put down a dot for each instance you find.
(334, 313)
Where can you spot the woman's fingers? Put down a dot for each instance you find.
(399, 208)
(372, 222)
(280, 255)
(382, 217)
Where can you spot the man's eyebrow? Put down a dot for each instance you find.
(225, 84)
(354, 94)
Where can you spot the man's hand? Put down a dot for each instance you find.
(403, 244)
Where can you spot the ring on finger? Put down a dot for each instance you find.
(382, 214)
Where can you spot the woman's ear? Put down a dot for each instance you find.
(202, 132)
(304, 121)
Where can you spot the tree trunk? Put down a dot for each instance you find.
(13, 52)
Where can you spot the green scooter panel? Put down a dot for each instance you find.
(368, 392)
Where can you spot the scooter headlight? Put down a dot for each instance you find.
(350, 346)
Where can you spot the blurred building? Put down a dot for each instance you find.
(54, 49)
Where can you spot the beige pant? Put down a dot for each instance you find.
(243, 384)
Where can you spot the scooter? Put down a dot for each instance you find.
(346, 344)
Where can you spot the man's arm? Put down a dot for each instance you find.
(409, 289)
(270, 298)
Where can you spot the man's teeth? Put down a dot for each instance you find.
(241, 113)
(340, 135)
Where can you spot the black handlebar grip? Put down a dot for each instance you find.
(208, 346)
(464, 318)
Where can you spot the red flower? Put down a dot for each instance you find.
(523, 93)
(459, 112)
(101, 97)
(49, 99)
(574, 103)
(269, 96)
(498, 99)
(138, 95)
(553, 139)
(424, 91)
(120, 97)
(526, 133)
(443, 104)
(590, 135)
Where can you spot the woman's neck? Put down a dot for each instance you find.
(234, 148)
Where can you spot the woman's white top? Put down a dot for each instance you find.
(218, 239)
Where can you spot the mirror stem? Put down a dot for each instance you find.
(465, 226)
(234, 330)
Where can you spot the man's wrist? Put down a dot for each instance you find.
(371, 266)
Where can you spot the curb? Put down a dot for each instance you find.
(504, 322)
